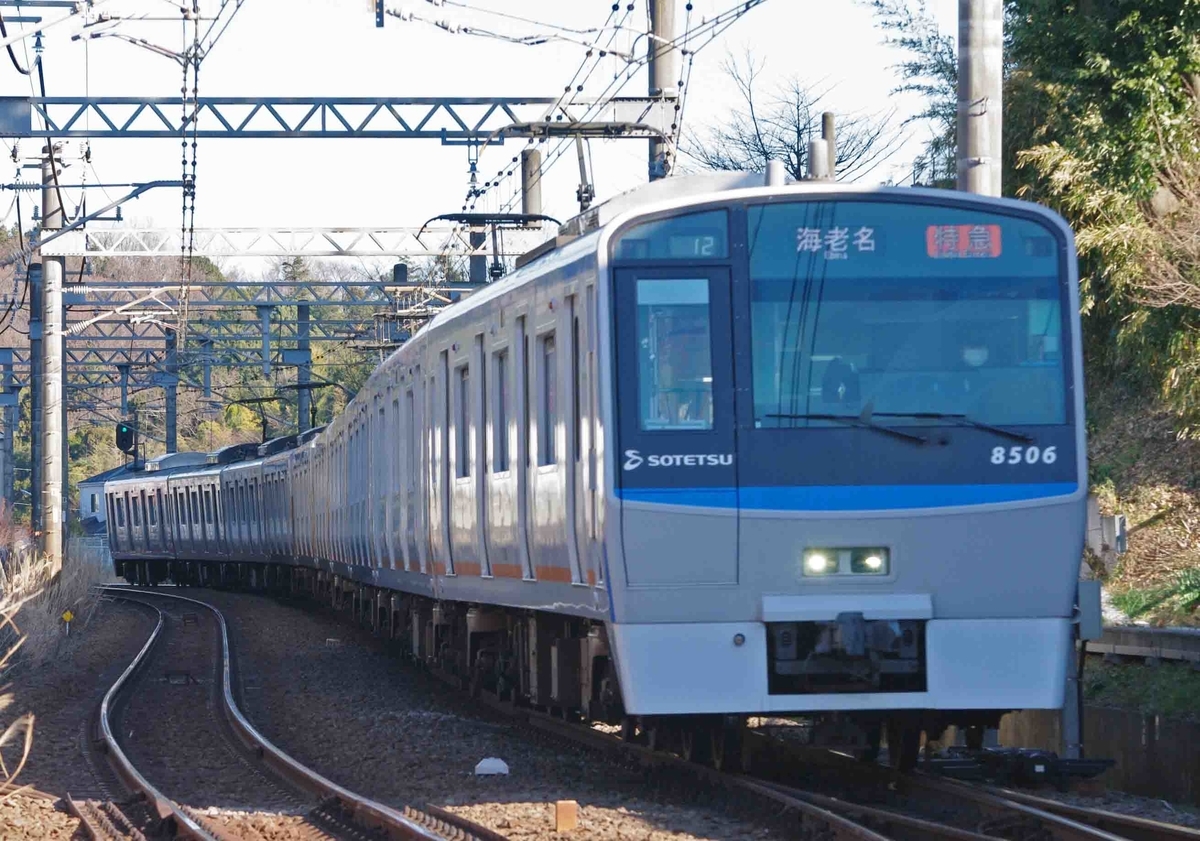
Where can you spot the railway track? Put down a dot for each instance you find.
(869, 803)
(314, 808)
(977, 812)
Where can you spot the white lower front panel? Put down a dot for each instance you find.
(993, 664)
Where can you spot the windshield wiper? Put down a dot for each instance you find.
(960, 420)
(858, 421)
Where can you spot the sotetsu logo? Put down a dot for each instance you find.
(634, 460)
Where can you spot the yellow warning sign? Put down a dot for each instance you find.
(67, 615)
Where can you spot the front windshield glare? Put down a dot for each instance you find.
(904, 309)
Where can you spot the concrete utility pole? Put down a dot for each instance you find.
(35, 393)
(980, 95)
(304, 370)
(531, 182)
(53, 431)
(664, 74)
(171, 390)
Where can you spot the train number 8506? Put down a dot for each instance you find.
(1028, 455)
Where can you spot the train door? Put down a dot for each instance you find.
(418, 507)
(524, 460)
(675, 415)
(479, 452)
(585, 436)
(438, 402)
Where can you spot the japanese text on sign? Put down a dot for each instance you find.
(962, 241)
(835, 243)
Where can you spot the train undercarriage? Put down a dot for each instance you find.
(554, 663)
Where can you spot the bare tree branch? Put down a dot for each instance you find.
(779, 125)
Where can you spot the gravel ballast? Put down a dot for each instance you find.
(336, 699)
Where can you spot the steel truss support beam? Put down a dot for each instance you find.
(449, 119)
(114, 295)
(288, 242)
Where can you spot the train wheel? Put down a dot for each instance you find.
(653, 735)
(729, 749)
(697, 741)
(874, 739)
(904, 744)
(974, 738)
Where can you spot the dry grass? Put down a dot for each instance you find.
(1143, 466)
(32, 631)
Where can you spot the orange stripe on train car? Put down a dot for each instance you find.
(555, 574)
(467, 568)
(508, 571)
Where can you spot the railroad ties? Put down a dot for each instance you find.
(188, 654)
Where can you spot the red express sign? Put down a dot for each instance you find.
(962, 241)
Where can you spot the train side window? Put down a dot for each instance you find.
(179, 506)
(195, 507)
(548, 408)
(120, 513)
(216, 514)
(462, 425)
(151, 514)
(208, 513)
(135, 512)
(674, 354)
(500, 419)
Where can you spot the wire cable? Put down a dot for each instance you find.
(24, 71)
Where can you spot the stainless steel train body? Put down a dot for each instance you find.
(764, 450)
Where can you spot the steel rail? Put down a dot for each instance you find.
(886, 820)
(364, 811)
(1061, 821)
(1128, 826)
(164, 807)
(840, 827)
(1060, 827)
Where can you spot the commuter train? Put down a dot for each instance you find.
(719, 449)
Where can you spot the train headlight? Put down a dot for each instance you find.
(819, 562)
(872, 561)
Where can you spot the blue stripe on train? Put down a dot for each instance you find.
(848, 497)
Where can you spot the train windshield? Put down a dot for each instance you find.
(905, 312)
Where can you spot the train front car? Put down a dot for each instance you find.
(851, 464)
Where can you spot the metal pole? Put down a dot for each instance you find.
(980, 95)
(304, 371)
(531, 183)
(830, 138)
(264, 317)
(123, 371)
(8, 428)
(52, 376)
(206, 357)
(171, 390)
(663, 64)
(1071, 725)
(477, 263)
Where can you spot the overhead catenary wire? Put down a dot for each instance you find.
(574, 85)
(706, 33)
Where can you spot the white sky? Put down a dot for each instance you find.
(332, 48)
